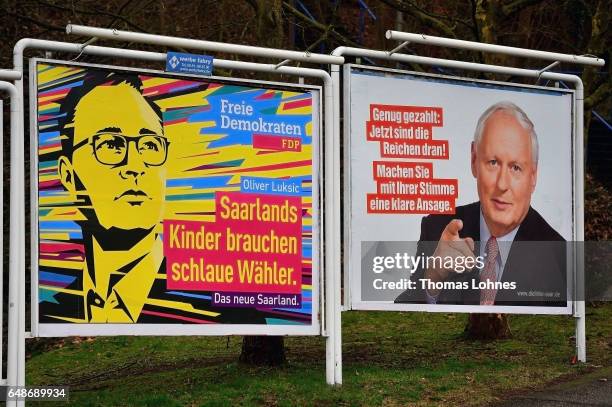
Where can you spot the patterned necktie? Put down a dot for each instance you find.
(487, 295)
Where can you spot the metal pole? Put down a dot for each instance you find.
(9, 75)
(330, 241)
(337, 262)
(493, 48)
(579, 303)
(329, 137)
(15, 232)
(164, 40)
(2, 378)
(17, 205)
(446, 63)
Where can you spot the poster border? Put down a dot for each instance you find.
(350, 302)
(177, 329)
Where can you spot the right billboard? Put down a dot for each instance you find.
(460, 194)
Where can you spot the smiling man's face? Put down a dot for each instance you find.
(127, 194)
(505, 173)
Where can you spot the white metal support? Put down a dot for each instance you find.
(9, 75)
(578, 292)
(18, 259)
(15, 279)
(399, 47)
(164, 40)
(337, 262)
(493, 48)
(283, 63)
(89, 42)
(2, 378)
(546, 68)
(579, 300)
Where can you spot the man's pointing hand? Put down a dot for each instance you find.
(450, 245)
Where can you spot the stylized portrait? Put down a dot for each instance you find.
(115, 167)
(131, 170)
(517, 244)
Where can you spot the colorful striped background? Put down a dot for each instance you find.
(203, 159)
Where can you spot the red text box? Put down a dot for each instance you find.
(377, 131)
(428, 149)
(255, 245)
(415, 188)
(277, 143)
(391, 170)
(396, 204)
(407, 114)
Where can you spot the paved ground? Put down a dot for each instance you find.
(591, 390)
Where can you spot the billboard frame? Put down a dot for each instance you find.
(353, 304)
(17, 336)
(578, 306)
(170, 329)
(14, 346)
(332, 329)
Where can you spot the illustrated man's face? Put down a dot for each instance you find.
(118, 156)
(505, 173)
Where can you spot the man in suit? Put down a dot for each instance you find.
(522, 257)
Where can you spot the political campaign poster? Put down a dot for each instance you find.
(171, 204)
(459, 194)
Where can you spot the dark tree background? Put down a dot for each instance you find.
(568, 26)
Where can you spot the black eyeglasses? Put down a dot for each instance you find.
(112, 148)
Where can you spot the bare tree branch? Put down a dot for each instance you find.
(324, 36)
(474, 21)
(432, 22)
(603, 92)
(517, 5)
(34, 21)
(453, 20)
(319, 26)
(252, 3)
(95, 12)
(121, 9)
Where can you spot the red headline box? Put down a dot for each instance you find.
(437, 187)
(428, 149)
(377, 131)
(397, 204)
(277, 143)
(407, 114)
(392, 170)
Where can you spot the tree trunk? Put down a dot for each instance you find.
(597, 45)
(263, 350)
(269, 26)
(270, 32)
(488, 16)
(488, 326)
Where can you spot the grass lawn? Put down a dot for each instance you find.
(390, 359)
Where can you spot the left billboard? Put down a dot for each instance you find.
(172, 204)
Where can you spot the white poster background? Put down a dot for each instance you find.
(462, 101)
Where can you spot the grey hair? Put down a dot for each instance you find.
(518, 114)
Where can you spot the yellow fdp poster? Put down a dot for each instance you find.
(174, 200)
